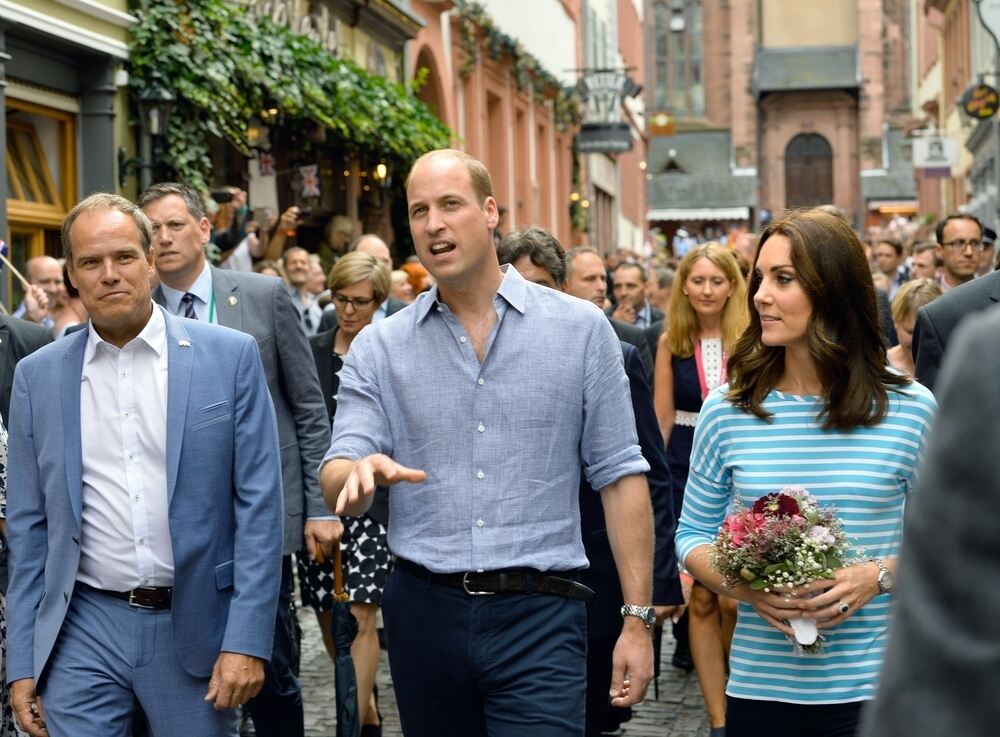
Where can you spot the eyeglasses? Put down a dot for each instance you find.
(358, 303)
(961, 245)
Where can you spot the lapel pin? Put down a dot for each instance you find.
(233, 300)
(184, 343)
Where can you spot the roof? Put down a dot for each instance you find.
(701, 184)
(806, 68)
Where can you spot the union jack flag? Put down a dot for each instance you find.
(266, 162)
(310, 180)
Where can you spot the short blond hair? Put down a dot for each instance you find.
(479, 175)
(358, 266)
(913, 295)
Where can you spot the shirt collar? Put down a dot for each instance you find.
(513, 289)
(154, 334)
(201, 289)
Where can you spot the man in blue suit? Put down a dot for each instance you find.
(144, 510)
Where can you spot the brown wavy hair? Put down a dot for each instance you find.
(844, 334)
(681, 328)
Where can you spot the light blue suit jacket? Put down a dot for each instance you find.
(223, 485)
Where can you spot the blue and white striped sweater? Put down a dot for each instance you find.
(864, 473)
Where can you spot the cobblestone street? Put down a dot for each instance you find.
(679, 711)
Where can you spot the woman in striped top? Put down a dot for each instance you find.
(810, 403)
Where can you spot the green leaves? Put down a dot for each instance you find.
(224, 66)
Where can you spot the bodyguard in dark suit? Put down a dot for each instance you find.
(941, 673)
(604, 622)
(258, 305)
(938, 320)
(18, 338)
(587, 279)
(538, 257)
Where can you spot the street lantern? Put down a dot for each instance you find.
(155, 104)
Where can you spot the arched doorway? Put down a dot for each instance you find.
(430, 93)
(808, 171)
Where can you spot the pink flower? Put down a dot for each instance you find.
(736, 528)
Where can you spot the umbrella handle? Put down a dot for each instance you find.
(338, 575)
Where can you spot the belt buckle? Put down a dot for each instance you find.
(465, 585)
(136, 604)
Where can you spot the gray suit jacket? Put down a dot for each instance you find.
(937, 321)
(942, 669)
(259, 305)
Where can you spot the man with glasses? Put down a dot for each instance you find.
(261, 306)
(960, 241)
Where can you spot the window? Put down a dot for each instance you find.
(41, 182)
(678, 28)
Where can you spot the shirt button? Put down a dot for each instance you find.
(440, 309)
(463, 339)
(131, 457)
(481, 428)
(479, 523)
(124, 373)
(126, 414)
(142, 540)
(136, 497)
(481, 382)
(480, 475)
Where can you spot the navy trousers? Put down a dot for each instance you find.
(508, 665)
(749, 718)
(277, 710)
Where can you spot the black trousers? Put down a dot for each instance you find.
(749, 718)
(277, 710)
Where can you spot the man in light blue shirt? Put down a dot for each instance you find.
(479, 406)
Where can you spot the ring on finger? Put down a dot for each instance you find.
(843, 607)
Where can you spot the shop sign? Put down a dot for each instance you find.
(299, 16)
(604, 138)
(935, 152)
(980, 101)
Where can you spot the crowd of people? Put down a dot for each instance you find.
(524, 454)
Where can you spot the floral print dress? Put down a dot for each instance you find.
(8, 727)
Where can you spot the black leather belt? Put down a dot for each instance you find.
(144, 597)
(510, 581)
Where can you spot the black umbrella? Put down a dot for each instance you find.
(345, 629)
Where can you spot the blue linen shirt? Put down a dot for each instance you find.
(502, 442)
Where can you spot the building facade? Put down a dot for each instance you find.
(809, 99)
(494, 75)
(62, 88)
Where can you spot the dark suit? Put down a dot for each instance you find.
(634, 335)
(889, 337)
(604, 619)
(260, 305)
(18, 338)
(937, 321)
(329, 319)
(653, 337)
(941, 673)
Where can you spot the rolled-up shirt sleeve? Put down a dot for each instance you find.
(609, 446)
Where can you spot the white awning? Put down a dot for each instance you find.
(705, 213)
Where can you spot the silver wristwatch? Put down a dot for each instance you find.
(646, 613)
(885, 578)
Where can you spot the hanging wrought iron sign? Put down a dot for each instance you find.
(980, 101)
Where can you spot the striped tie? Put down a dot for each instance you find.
(187, 303)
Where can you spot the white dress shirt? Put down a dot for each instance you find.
(125, 540)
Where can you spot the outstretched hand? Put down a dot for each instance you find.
(369, 472)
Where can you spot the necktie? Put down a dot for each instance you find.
(187, 305)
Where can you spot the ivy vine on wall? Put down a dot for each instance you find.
(224, 66)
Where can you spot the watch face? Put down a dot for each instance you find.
(650, 617)
(885, 581)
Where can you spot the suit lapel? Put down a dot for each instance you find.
(228, 305)
(72, 373)
(180, 362)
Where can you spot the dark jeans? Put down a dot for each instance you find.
(749, 718)
(277, 710)
(508, 665)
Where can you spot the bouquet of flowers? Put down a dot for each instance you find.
(786, 539)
